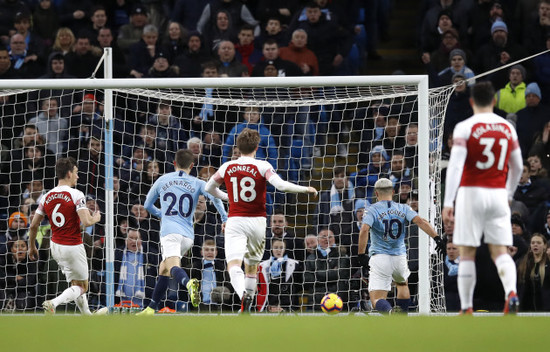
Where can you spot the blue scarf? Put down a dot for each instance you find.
(325, 252)
(207, 108)
(208, 280)
(336, 197)
(131, 282)
(276, 267)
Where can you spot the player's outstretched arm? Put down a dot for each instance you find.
(33, 230)
(428, 228)
(212, 187)
(286, 186)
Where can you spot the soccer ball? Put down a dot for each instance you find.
(331, 304)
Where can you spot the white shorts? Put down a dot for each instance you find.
(72, 260)
(482, 212)
(384, 268)
(245, 238)
(174, 245)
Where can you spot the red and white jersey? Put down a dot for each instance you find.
(60, 205)
(489, 140)
(245, 180)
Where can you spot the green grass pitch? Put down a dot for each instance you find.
(339, 333)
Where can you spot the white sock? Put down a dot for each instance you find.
(236, 275)
(250, 283)
(466, 283)
(70, 294)
(507, 272)
(82, 304)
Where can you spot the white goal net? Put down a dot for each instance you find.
(339, 135)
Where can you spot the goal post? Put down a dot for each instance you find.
(292, 95)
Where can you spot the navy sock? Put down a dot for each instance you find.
(404, 304)
(159, 291)
(179, 275)
(383, 306)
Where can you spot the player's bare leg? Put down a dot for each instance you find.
(507, 272)
(378, 301)
(466, 278)
(403, 296)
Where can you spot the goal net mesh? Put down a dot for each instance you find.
(337, 139)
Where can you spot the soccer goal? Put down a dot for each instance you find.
(124, 134)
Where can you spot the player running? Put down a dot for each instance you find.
(483, 173)
(66, 209)
(245, 181)
(386, 221)
(179, 193)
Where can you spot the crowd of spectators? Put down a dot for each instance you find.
(219, 38)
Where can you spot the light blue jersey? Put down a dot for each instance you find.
(387, 220)
(179, 194)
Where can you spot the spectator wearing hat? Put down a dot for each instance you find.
(82, 61)
(521, 237)
(270, 51)
(457, 60)
(17, 229)
(132, 32)
(511, 98)
(456, 13)
(498, 52)
(531, 119)
(458, 108)
(162, 68)
(143, 53)
(45, 21)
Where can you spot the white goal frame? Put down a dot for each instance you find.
(108, 84)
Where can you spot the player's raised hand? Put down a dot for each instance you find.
(96, 216)
(312, 190)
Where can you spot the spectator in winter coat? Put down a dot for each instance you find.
(511, 98)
